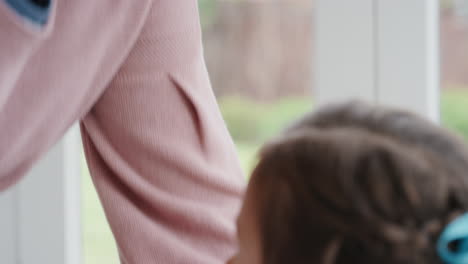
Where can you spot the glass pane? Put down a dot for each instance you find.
(259, 57)
(454, 65)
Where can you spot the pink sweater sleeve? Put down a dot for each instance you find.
(159, 152)
(157, 148)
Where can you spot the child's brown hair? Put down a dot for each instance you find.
(354, 183)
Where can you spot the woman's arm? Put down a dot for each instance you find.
(158, 150)
(52, 72)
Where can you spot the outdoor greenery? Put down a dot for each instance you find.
(454, 111)
(207, 11)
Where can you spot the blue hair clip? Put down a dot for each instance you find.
(455, 232)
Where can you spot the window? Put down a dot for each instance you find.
(259, 57)
(454, 65)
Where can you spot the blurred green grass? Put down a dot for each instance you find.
(207, 11)
(454, 111)
(250, 123)
(254, 122)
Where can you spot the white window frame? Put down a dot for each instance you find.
(384, 51)
(40, 216)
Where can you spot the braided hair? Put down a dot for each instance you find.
(355, 183)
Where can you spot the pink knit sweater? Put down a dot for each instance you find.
(158, 150)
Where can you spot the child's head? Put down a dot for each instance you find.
(354, 183)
